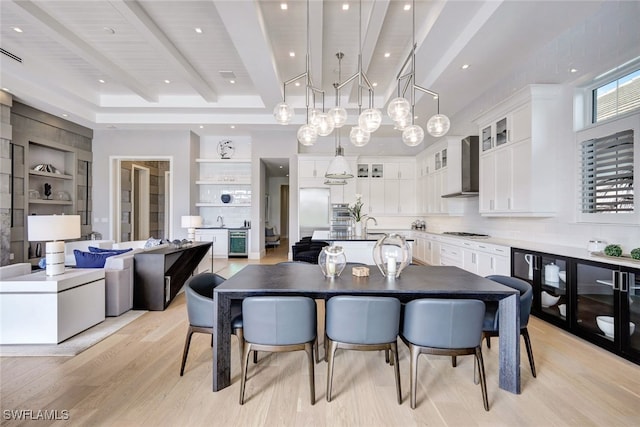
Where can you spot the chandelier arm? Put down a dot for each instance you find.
(406, 61)
(349, 80)
(288, 82)
(407, 84)
(430, 92)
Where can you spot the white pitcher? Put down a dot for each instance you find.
(529, 259)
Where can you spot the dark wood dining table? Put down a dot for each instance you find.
(415, 282)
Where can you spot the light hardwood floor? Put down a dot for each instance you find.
(132, 379)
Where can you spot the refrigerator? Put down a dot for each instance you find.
(314, 210)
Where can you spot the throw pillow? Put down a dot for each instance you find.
(151, 242)
(101, 250)
(90, 259)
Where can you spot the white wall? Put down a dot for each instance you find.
(179, 147)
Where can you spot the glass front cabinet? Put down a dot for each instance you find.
(597, 301)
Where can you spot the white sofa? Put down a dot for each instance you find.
(13, 270)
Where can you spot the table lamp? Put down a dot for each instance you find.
(53, 229)
(190, 222)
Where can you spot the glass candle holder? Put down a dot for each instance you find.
(332, 261)
(391, 254)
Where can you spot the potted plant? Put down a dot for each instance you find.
(357, 215)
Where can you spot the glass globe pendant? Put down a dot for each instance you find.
(339, 116)
(307, 135)
(402, 123)
(412, 135)
(370, 119)
(359, 137)
(398, 109)
(438, 125)
(283, 113)
(323, 124)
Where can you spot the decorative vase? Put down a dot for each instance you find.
(358, 228)
(332, 261)
(391, 254)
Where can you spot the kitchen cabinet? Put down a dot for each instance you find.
(485, 259)
(219, 237)
(389, 189)
(597, 301)
(313, 168)
(518, 173)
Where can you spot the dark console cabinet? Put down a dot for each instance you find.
(160, 273)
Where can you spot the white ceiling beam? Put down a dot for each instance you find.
(253, 46)
(75, 44)
(316, 17)
(142, 22)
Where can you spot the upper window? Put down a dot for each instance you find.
(616, 97)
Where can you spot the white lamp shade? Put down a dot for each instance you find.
(370, 119)
(359, 137)
(283, 113)
(339, 116)
(339, 169)
(191, 221)
(53, 227)
(307, 135)
(413, 135)
(438, 125)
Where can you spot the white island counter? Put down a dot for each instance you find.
(358, 249)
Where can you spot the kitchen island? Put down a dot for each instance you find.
(358, 248)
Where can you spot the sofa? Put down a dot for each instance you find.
(308, 250)
(271, 237)
(14, 270)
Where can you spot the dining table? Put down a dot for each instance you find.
(414, 282)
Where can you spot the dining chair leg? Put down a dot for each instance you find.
(527, 343)
(483, 379)
(454, 361)
(488, 340)
(414, 352)
(243, 373)
(187, 343)
(332, 346)
(239, 333)
(394, 350)
(476, 368)
(309, 349)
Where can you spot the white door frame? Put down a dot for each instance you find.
(140, 202)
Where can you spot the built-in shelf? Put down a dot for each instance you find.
(49, 202)
(222, 205)
(223, 160)
(50, 175)
(231, 181)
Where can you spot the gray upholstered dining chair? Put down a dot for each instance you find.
(362, 323)
(448, 327)
(277, 324)
(490, 328)
(199, 294)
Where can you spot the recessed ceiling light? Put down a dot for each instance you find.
(281, 167)
(292, 54)
(435, 96)
(345, 6)
(232, 126)
(109, 30)
(232, 82)
(465, 66)
(407, 6)
(101, 81)
(283, 6)
(65, 115)
(167, 81)
(374, 84)
(198, 30)
(297, 83)
(17, 29)
(415, 117)
(387, 54)
(573, 70)
(201, 127)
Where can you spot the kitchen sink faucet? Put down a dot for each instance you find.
(366, 221)
(221, 220)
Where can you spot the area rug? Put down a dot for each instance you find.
(76, 344)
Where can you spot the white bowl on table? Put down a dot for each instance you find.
(547, 300)
(605, 323)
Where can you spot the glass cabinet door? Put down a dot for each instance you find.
(595, 305)
(630, 310)
(501, 132)
(486, 139)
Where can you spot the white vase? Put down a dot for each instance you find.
(358, 228)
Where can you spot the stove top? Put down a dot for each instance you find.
(465, 234)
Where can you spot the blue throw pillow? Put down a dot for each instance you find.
(116, 251)
(90, 259)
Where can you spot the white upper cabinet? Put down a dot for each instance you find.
(311, 171)
(518, 152)
(387, 185)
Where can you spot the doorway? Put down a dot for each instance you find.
(139, 202)
(284, 211)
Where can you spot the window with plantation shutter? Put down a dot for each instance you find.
(607, 174)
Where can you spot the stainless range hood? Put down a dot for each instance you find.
(469, 168)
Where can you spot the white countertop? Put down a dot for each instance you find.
(39, 282)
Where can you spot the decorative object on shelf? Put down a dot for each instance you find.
(332, 261)
(53, 229)
(529, 260)
(47, 190)
(226, 149)
(613, 250)
(596, 245)
(34, 194)
(46, 167)
(402, 111)
(190, 222)
(547, 300)
(63, 196)
(635, 253)
(391, 254)
(605, 323)
(551, 273)
(356, 213)
(226, 198)
(358, 228)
